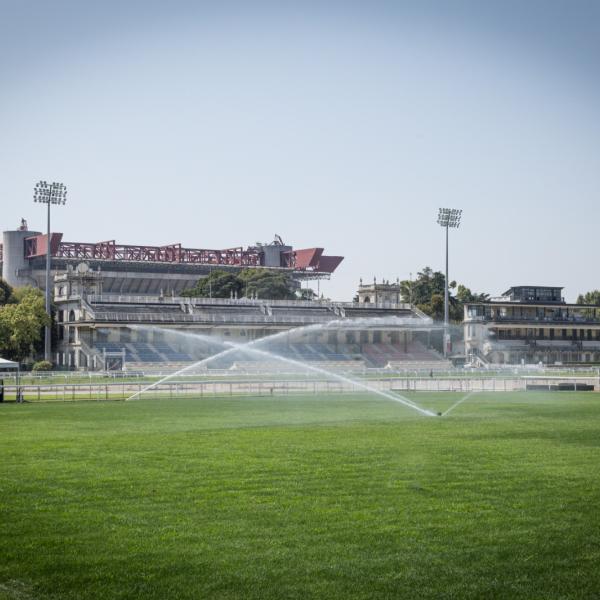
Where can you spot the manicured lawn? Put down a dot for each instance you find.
(302, 497)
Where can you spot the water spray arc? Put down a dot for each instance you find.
(250, 348)
(333, 375)
(457, 403)
(208, 359)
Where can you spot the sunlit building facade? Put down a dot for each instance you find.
(532, 324)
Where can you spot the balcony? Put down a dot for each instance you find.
(546, 320)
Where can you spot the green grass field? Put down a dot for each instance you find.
(302, 497)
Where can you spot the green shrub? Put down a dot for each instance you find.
(42, 365)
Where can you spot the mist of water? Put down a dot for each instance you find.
(331, 374)
(251, 348)
(458, 403)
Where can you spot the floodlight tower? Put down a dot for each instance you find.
(49, 193)
(448, 217)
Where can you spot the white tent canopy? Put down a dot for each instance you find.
(5, 365)
(8, 364)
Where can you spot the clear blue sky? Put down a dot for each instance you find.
(220, 124)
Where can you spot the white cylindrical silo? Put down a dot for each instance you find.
(15, 266)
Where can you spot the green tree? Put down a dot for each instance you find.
(307, 294)
(219, 284)
(434, 308)
(464, 295)
(263, 283)
(427, 293)
(6, 293)
(427, 283)
(592, 297)
(22, 323)
(267, 284)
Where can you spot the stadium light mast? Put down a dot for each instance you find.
(49, 193)
(447, 218)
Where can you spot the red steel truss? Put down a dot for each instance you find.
(172, 253)
(310, 260)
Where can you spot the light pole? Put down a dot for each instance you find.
(49, 193)
(447, 217)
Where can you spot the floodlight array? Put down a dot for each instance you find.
(449, 217)
(50, 193)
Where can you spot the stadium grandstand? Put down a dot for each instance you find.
(99, 331)
(117, 307)
(531, 325)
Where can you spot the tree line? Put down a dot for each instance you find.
(248, 283)
(22, 321)
(426, 292)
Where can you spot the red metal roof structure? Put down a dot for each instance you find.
(312, 259)
(309, 260)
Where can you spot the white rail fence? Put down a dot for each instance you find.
(95, 391)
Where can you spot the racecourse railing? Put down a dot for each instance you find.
(201, 388)
(416, 371)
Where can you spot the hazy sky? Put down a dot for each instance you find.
(344, 125)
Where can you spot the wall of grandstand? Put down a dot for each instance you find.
(90, 329)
